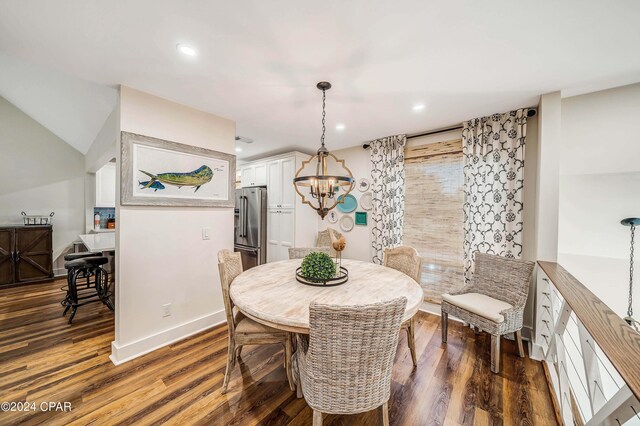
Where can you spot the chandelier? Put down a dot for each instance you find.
(320, 178)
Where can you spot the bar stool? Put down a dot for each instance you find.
(87, 282)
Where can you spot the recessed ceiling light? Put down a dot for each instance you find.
(185, 49)
(418, 107)
(339, 126)
(238, 149)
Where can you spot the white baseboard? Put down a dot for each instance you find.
(536, 352)
(123, 353)
(59, 272)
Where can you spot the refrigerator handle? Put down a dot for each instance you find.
(246, 216)
(240, 216)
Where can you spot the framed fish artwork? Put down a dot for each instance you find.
(157, 172)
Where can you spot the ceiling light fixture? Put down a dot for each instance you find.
(418, 107)
(339, 127)
(238, 149)
(185, 49)
(321, 181)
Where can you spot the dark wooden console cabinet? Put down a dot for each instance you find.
(26, 254)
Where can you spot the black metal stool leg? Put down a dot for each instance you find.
(73, 290)
(73, 313)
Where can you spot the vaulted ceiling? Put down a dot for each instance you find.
(258, 61)
(71, 108)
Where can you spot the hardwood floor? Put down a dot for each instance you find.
(44, 359)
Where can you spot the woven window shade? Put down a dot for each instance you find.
(433, 219)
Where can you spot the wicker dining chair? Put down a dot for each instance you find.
(326, 238)
(301, 252)
(344, 365)
(243, 330)
(406, 260)
(493, 301)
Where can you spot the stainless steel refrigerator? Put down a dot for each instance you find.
(251, 226)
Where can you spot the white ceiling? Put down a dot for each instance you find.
(71, 108)
(259, 61)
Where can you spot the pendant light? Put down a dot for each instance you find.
(320, 179)
(631, 222)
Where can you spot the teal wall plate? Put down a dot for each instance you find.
(361, 218)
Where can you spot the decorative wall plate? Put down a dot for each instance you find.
(361, 218)
(366, 201)
(363, 184)
(350, 203)
(332, 216)
(346, 223)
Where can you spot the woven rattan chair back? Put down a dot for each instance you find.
(301, 252)
(404, 259)
(501, 278)
(324, 239)
(350, 356)
(229, 266)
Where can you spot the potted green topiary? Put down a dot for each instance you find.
(318, 267)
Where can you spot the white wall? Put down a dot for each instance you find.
(599, 186)
(161, 257)
(40, 173)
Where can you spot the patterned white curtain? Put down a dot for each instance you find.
(493, 149)
(387, 187)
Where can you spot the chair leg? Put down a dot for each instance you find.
(299, 390)
(518, 336)
(411, 337)
(230, 363)
(385, 413)
(287, 363)
(445, 325)
(236, 354)
(495, 354)
(317, 418)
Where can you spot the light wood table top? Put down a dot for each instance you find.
(271, 295)
(105, 241)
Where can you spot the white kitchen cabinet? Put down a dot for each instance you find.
(280, 233)
(254, 174)
(288, 172)
(274, 186)
(106, 186)
(280, 190)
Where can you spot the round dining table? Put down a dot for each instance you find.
(271, 295)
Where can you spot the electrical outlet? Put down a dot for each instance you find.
(206, 233)
(166, 310)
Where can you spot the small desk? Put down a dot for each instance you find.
(99, 242)
(270, 294)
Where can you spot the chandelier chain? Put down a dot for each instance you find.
(630, 308)
(324, 97)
